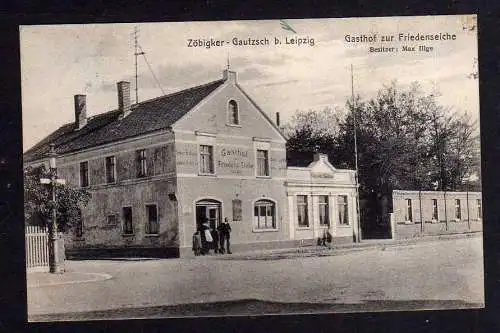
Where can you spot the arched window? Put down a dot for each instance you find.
(264, 216)
(233, 114)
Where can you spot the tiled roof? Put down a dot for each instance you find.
(145, 117)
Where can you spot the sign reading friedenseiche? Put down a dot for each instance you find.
(226, 158)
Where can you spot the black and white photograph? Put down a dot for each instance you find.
(251, 168)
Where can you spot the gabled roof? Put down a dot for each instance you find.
(145, 117)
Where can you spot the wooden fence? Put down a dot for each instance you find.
(37, 248)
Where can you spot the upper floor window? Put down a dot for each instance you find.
(141, 163)
(262, 162)
(302, 217)
(84, 174)
(343, 210)
(233, 114)
(110, 169)
(324, 217)
(206, 159)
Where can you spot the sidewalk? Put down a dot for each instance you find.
(45, 279)
(338, 249)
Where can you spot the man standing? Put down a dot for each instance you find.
(222, 237)
(225, 235)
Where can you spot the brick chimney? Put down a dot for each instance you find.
(278, 119)
(80, 111)
(123, 98)
(229, 75)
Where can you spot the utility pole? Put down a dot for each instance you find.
(358, 238)
(136, 53)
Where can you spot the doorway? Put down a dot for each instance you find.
(209, 210)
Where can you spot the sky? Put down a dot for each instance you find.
(60, 61)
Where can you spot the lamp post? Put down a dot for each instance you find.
(54, 264)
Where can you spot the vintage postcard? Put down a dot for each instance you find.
(252, 167)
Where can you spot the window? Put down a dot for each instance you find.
(152, 222)
(324, 217)
(302, 211)
(233, 113)
(84, 174)
(264, 215)
(110, 169)
(435, 209)
(112, 220)
(206, 159)
(479, 209)
(458, 209)
(237, 212)
(141, 163)
(409, 211)
(343, 210)
(79, 225)
(128, 228)
(262, 162)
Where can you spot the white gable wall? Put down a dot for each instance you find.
(211, 115)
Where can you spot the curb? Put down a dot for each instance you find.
(96, 277)
(339, 250)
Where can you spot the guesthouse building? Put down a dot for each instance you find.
(155, 169)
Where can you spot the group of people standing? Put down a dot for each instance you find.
(216, 239)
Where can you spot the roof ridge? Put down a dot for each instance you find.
(146, 101)
(177, 92)
(179, 102)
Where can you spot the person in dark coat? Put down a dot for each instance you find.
(222, 238)
(225, 231)
(197, 247)
(215, 243)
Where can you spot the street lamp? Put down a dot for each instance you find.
(54, 264)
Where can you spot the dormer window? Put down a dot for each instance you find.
(233, 113)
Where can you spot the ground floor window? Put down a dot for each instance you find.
(434, 209)
(343, 210)
(409, 211)
(479, 209)
(152, 220)
(237, 211)
(324, 216)
(128, 228)
(264, 215)
(458, 209)
(79, 225)
(112, 220)
(302, 217)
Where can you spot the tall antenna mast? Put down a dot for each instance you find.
(358, 238)
(136, 53)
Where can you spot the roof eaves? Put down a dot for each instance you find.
(262, 112)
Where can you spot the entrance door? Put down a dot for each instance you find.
(213, 216)
(209, 211)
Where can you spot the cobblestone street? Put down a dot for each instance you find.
(437, 274)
